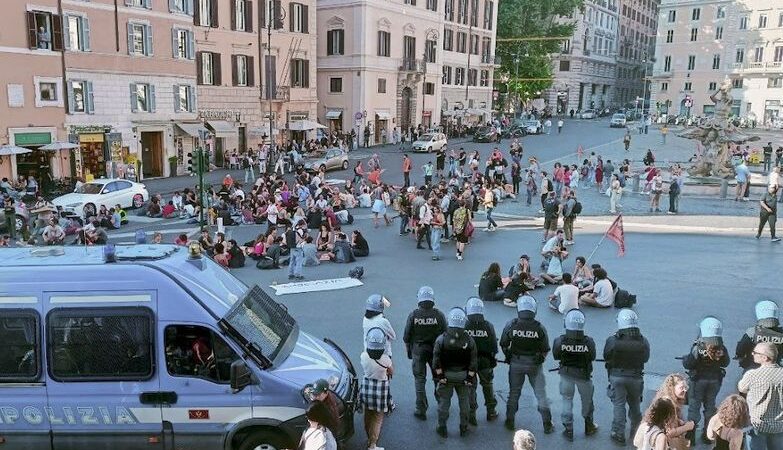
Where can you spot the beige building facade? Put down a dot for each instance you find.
(379, 66)
(31, 88)
(636, 51)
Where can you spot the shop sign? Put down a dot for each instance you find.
(93, 137)
(40, 138)
(220, 114)
(87, 129)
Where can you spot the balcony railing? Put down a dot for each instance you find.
(412, 65)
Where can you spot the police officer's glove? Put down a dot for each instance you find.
(471, 379)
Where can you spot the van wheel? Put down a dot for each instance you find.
(263, 440)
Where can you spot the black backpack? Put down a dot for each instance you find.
(624, 299)
(577, 209)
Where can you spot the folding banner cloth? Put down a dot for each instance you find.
(315, 286)
(617, 234)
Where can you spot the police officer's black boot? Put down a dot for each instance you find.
(463, 430)
(549, 427)
(568, 432)
(442, 432)
(509, 424)
(491, 415)
(590, 427)
(472, 418)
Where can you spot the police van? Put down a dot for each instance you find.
(152, 346)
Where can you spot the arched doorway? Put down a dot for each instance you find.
(405, 109)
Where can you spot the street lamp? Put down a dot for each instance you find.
(432, 35)
(274, 19)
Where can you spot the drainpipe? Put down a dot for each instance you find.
(64, 84)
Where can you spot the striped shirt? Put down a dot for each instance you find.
(764, 389)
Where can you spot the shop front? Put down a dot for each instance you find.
(186, 140)
(382, 121)
(225, 138)
(334, 120)
(39, 164)
(426, 119)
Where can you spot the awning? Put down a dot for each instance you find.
(383, 115)
(334, 114)
(191, 129)
(447, 113)
(304, 125)
(223, 128)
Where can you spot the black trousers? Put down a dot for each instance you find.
(765, 218)
(424, 232)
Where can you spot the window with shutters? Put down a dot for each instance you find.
(778, 54)
(239, 15)
(672, 16)
(449, 11)
(696, 14)
(694, 34)
(740, 56)
(181, 6)
(335, 42)
(716, 61)
(432, 5)
(183, 44)
(459, 76)
(139, 3)
(758, 54)
(207, 70)
(688, 86)
(240, 70)
(446, 75)
(429, 88)
(47, 92)
(300, 73)
(691, 62)
(712, 86)
(484, 78)
(667, 63)
(299, 17)
(721, 12)
(335, 85)
(462, 11)
(139, 39)
(736, 83)
(743, 23)
(80, 98)
(462, 42)
(381, 85)
(664, 87)
(184, 98)
(77, 33)
(718, 33)
(430, 50)
(44, 31)
(384, 43)
(410, 2)
(489, 13)
(763, 21)
(472, 77)
(448, 39)
(206, 13)
(142, 97)
(474, 13)
(474, 44)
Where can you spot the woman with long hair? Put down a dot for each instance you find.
(491, 284)
(675, 388)
(317, 435)
(725, 427)
(651, 434)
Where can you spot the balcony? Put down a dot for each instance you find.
(412, 65)
(770, 66)
(282, 94)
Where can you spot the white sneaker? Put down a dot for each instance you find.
(510, 303)
(487, 229)
(375, 448)
(459, 257)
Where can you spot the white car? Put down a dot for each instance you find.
(618, 120)
(588, 114)
(86, 200)
(533, 127)
(429, 142)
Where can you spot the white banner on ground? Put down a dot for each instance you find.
(315, 286)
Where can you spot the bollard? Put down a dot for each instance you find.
(724, 188)
(635, 182)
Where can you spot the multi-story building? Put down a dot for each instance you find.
(244, 82)
(31, 88)
(700, 43)
(379, 67)
(468, 60)
(584, 72)
(130, 85)
(636, 48)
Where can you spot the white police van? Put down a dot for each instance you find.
(151, 346)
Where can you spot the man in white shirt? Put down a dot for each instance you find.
(271, 215)
(176, 199)
(53, 233)
(603, 292)
(566, 296)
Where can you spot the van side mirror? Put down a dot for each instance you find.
(241, 377)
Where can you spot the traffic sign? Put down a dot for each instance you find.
(358, 116)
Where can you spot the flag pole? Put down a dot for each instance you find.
(596, 248)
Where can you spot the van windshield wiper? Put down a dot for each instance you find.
(251, 348)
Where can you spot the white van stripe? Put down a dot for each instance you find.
(230, 414)
(12, 300)
(144, 298)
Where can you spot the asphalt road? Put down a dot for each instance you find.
(678, 278)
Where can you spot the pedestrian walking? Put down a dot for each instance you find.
(525, 344)
(422, 328)
(295, 239)
(423, 230)
(674, 193)
(483, 334)
(664, 132)
(656, 191)
(375, 391)
(570, 210)
(548, 126)
(615, 191)
(742, 176)
(626, 352)
(462, 227)
(490, 201)
(768, 212)
(427, 170)
(767, 152)
(248, 165)
(576, 353)
(705, 364)
(764, 392)
(652, 435)
(627, 140)
(454, 361)
(766, 329)
(559, 126)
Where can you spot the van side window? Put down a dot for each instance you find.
(19, 346)
(193, 351)
(100, 344)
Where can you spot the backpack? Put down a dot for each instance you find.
(577, 209)
(245, 163)
(494, 198)
(674, 188)
(624, 299)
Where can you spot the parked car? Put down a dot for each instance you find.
(515, 131)
(588, 114)
(429, 142)
(333, 159)
(22, 216)
(486, 134)
(618, 121)
(88, 197)
(533, 127)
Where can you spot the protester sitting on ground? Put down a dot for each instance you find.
(342, 252)
(490, 287)
(324, 238)
(181, 240)
(169, 210)
(220, 256)
(255, 248)
(552, 245)
(523, 266)
(274, 251)
(554, 271)
(517, 286)
(53, 234)
(154, 209)
(359, 244)
(602, 295)
(310, 252)
(583, 274)
(524, 440)
(236, 255)
(206, 242)
(157, 238)
(565, 297)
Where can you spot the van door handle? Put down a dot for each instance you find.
(158, 398)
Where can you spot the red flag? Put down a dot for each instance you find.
(580, 151)
(616, 233)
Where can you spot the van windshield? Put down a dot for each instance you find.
(261, 325)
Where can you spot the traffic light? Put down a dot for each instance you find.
(191, 163)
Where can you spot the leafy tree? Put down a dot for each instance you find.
(527, 63)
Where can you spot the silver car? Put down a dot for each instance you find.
(333, 159)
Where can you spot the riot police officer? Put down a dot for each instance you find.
(483, 334)
(705, 365)
(525, 344)
(576, 353)
(455, 360)
(625, 353)
(767, 329)
(424, 325)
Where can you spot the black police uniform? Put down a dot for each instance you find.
(625, 353)
(483, 334)
(456, 358)
(706, 378)
(525, 344)
(576, 353)
(424, 325)
(753, 336)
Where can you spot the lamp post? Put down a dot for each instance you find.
(432, 35)
(274, 19)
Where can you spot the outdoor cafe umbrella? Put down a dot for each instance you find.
(57, 146)
(304, 125)
(8, 150)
